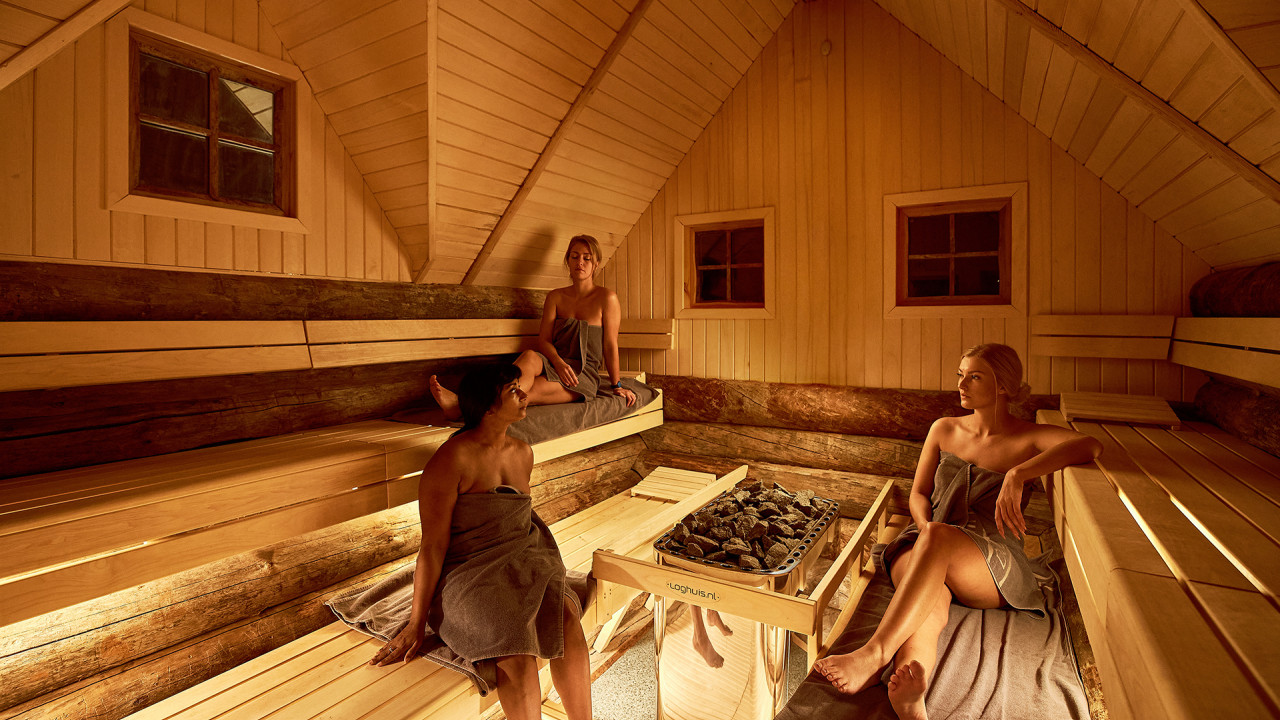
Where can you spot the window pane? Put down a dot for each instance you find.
(712, 286)
(245, 110)
(929, 234)
(978, 276)
(978, 231)
(246, 173)
(748, 245)
(748, 285)
(173, 92)
(173, 160)
(709, 248)
(928, 278)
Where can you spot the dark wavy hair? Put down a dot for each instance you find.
(480, 389)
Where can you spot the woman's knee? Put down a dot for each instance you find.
(517, 665)
(528, 359)
(939, 537)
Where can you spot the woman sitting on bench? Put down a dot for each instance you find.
(965, 542)
(579, 330)
(489, 581)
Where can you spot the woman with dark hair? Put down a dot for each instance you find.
(579, 332)
(489, 582)
(965, 540)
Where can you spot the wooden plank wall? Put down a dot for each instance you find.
(51, 176)
(823, 139)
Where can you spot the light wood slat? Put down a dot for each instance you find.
(650, 416)
(1172, 664)
(1249, 550)
(1263, 333)
(36, 372)
(1259, 469)
(1184, 549)
(1251, 627)
(29, 338)
(1238, 363)
(34, 544)
(65, 585)
(1117, 407)
(347, 331)
(645, 342)
(1104, 347)
(1264, 183)
(566, 124)
(323, 356)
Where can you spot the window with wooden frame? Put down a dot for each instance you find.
(200, 128)
(724, 264)
(954, 253)
(958, 252)
(205, 130)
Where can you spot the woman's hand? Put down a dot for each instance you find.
(404, 646)
(1009, 505)
(625, 393)
(568, 377)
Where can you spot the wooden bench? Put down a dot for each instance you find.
(43, 355)
(1172, 540)
(325, 674)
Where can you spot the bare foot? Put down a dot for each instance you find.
(713, 617)
(851, 673)
(906, 691)
(445, 398)
(702, 644)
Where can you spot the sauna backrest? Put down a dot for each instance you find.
(1135, 337)
(43, 355)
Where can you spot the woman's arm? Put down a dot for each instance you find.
(567, 376)
(612, 318)
(1058, 448)
(437, 495)
(919, 501)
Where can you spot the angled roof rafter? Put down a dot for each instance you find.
(65, 33)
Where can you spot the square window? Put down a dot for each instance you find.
(206, 130)
(953, 253)
(724, 261)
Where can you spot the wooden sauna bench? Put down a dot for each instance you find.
(1172, 540)
(74, 535)
(325, 673)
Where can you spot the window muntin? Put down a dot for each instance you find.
(954, 254)
(206, 130)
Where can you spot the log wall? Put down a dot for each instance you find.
(51, 178)
(822, 139)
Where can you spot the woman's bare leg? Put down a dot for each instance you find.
(915, 662)
(571, 672)
(540, 390)
(445, 398)
(702, 643)
(943, 558)
(519, 691)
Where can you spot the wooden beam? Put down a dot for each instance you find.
(433, 105)
(1184, 125)
(549, 152)
(48, 45)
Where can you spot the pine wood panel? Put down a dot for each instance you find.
(56, 211)
(908, 120)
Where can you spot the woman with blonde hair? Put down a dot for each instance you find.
(964, 543)
(579, 332)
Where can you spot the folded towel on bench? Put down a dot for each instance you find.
(501, 592)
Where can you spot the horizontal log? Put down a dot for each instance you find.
(1249, 412)
(748, 444)
(854, 491)
(1240, 292)
(879, 412)
(55, 291)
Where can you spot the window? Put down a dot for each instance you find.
(954, 253)
(203, 129)
(724, 261)
(207, 131)
(958, 252)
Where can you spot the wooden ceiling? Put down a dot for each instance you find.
(553, 117)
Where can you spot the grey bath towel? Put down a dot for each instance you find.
(501, 592)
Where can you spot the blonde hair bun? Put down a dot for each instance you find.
(1007, 366)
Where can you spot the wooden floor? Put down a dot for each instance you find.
(325, 674)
